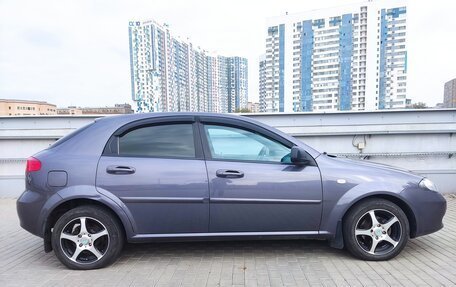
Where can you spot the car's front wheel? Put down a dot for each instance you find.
(87, 237)
(375, 229)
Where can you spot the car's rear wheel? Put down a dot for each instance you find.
(87, 237)
(375, 229)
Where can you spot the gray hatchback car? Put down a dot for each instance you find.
(195, 176)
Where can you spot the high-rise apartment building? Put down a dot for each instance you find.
(170, 74)
(262, 84)
(351, 57)
(449, 94)
(238, 84)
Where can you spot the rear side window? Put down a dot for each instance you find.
(174, 140)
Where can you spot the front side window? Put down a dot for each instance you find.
(228, 143)
(174, 140)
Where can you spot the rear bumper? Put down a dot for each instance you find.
(29, 206)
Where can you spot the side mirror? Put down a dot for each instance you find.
(299, 156)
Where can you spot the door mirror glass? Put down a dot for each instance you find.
(299, 156)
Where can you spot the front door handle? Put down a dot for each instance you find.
(229, 173)
(119, 169)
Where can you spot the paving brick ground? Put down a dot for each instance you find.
(426, 261)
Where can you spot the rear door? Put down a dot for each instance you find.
(156, 168)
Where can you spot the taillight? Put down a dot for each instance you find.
(33, 164)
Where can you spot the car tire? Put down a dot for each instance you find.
(375, 229)
(87, 237)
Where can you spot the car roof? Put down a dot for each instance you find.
(138, 116)
(240, 117)
(97, 135)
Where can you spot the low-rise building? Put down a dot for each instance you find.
(254, 107)
(117, 109)
(11, 107)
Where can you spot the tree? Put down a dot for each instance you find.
(243, 110)
(419, 105)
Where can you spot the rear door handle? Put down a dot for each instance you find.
(229, 173)
(119, 169)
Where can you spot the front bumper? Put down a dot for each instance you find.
(429, 208)
(29, 206)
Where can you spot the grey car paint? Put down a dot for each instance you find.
(163, 195)
(267, 198)
(196, 204)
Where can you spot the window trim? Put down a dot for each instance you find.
(112, 145)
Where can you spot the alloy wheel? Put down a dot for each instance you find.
(84, 240)
(378, 231)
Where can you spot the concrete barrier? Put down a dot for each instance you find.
(422, 141)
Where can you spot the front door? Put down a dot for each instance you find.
(158, 172)
(253, 185)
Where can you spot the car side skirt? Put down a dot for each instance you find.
(176, 237)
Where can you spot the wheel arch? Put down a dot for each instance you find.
(67, 205)
(338, 241)
(396, 200)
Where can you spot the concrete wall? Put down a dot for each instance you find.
(419, 140)
(423, 141)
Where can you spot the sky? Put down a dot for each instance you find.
(75, 52)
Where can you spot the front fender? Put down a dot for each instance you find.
(336, 205)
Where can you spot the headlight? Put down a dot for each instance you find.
(428, 184)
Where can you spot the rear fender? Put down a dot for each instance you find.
(89, 193)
